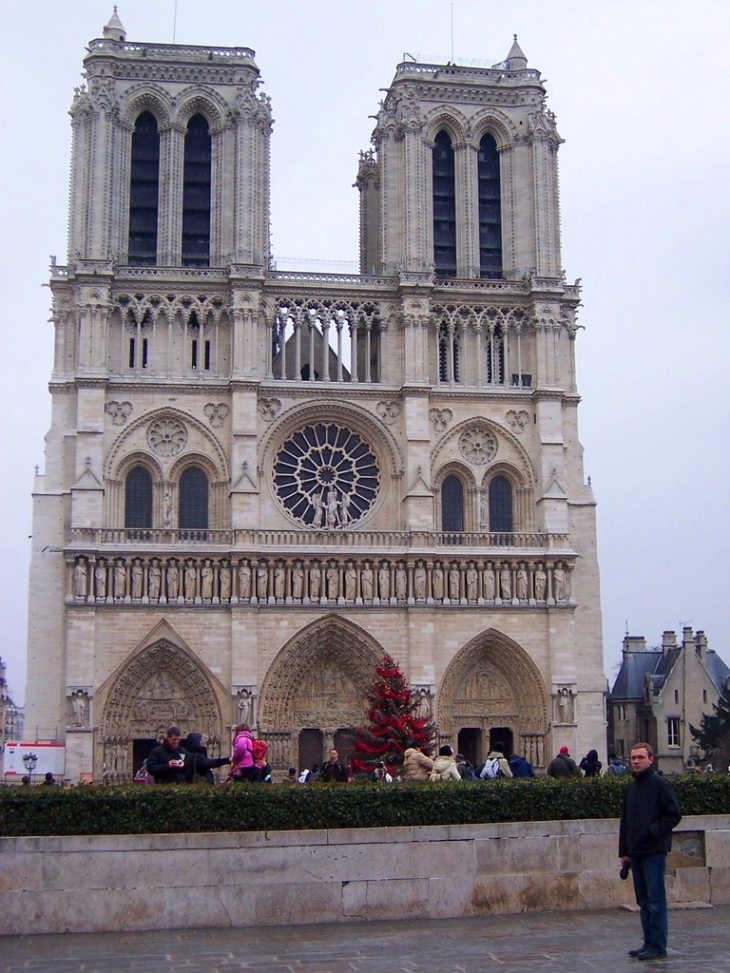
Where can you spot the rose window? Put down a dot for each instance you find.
(166, 437)
(478, 445)
(326, 476)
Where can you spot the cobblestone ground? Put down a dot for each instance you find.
(544, 942)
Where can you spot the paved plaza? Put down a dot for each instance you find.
(545, 942)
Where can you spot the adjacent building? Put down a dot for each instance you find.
(660, 691)
(256, 481)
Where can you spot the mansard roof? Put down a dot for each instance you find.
(631, 679)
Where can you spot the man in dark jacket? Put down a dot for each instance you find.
(563, 765)
(333, 769)
(166, 763)
(198, 765)
(650, 812)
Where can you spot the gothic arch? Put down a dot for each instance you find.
(489, 121)
(493, 681)
(146, 98)
(207, 103)
(450, 120)
(319, 678)
(162, 683)
(450, 441)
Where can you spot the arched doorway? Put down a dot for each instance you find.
(161, 685)
(493, 692)
(317, 683)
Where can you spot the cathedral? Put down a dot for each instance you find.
(256, 481)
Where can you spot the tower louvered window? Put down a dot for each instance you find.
(490, 209)
(144, 191)
(444, 207)
(196, 194)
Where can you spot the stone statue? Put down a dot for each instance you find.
(345, 509)
(244, 581)
(167, 510)
(384, 581)
(333, 581)
(81, 578)
(366, 582)
(483, 512)
(540, 583)
(191, 578)
(419, 582)
(137, 578)
(315, 580)
(522, 586)
(332, 506)
(279, 581)
(154, 580)
(79, 700)
(489, 583)
(100, 579)
(472, 578)
(120, 579)
(173, 580)
(206, 580)
(559, 582)
(401, 583)
(505, 582)
(437, 582)
(297, 581)
(350, 582)
(316, 501)
(565, 705)
(262, 581)
(454, 583)
(225, 581)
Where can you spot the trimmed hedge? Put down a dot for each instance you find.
(254, 807)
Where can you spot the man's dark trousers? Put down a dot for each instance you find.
(651, 897)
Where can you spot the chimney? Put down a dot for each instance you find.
(701, 644)
(669, 641)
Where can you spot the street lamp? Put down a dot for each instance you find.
(29, 761)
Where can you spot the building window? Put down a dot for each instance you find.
(193, 504)
(676, 695)
(144, 188)
(490, 209)
(444, 207)
(138, 498)
(452, 505)
(449, 354)
(495, 356)
(621, 712)
(704, 695)
(620, 748)
(673, 731)
(196, 194)
(500, 505)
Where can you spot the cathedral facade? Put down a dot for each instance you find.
(257, 481)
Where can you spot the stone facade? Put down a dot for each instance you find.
(658, 693)
(257, 481)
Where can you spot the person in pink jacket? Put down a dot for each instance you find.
(243, 766)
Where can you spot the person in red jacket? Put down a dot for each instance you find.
(243, 765)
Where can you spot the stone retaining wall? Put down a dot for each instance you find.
(106, 883)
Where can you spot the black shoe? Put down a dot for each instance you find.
(652, 953)
(639, 951)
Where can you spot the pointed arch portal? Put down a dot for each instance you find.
(318, 681)
(492, 690)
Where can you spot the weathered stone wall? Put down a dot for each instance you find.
(94, 884)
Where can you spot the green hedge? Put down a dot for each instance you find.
(239, 807)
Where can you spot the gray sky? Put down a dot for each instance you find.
(638, 87)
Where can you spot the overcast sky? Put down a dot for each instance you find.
(639, 88)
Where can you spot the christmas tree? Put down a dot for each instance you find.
(393, 724)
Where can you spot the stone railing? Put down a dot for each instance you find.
(520, 580)
(401, 541)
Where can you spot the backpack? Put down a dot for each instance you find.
(259, 748)
(491, 769)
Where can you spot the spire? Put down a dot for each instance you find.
(516, 59)
(114, 30)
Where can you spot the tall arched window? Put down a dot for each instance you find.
(138, 498)
(490, 209)
(449, 354)
(500, 505)
(444, 207)
(193, 500)
(144, 190)
(196, 194)
(495, 355)
(452, 505)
